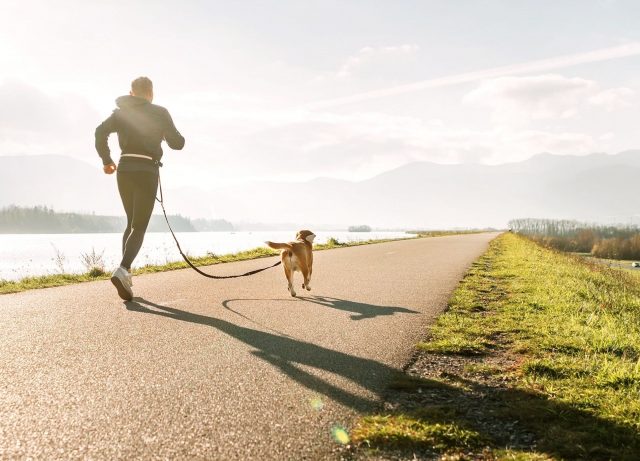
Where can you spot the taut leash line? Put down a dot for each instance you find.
(246, 274)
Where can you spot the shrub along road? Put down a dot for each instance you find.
(234, 369)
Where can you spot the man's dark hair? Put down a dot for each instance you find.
(142, 86)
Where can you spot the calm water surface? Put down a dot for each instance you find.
(24, 255)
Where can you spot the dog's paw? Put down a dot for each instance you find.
(293, 293)
(308, 288)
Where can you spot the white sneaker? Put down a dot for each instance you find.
(129, 278)
(120, 279)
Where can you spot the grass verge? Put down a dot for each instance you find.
(537, 357)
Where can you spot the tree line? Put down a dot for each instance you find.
(610, 242)
(45, 220)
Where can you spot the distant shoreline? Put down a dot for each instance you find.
(16, 220)
(44, 220)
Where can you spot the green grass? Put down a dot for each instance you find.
(571, 329)
(426, 430)
(482, 369)
(55, 280)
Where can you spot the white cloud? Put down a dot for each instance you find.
(235, 137)
(35, 122)
(369, 55)
(550, 96)
(613, 98)
(542, 65)
(360, 145)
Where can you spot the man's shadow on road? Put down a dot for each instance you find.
(360, 311)
(535, 411)
(288, 354)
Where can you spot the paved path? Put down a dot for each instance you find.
(234, 369)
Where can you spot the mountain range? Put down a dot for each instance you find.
(595, 188)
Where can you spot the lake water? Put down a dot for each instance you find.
(23, 255)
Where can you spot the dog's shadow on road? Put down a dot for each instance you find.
(360, 310)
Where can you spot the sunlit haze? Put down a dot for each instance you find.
(291, 91)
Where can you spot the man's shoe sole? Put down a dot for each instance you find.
(122, 290)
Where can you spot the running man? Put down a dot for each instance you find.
(141, 127)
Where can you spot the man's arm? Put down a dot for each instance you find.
(171, 134)
(102, 135)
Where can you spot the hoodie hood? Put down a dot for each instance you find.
(130, 101)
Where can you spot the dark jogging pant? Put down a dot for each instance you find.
(138, 193)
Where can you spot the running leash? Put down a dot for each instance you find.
(246, 274)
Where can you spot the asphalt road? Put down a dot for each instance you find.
(232, 369)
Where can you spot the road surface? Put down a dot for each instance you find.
(231, 369)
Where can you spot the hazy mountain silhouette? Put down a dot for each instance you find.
(56, 181)
(595, 187)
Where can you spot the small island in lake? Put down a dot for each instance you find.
(362, 228)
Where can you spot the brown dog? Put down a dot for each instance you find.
(297, 256)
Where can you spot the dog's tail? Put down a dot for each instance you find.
(279, 246)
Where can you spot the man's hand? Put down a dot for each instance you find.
(110, 168)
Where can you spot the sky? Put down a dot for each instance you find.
(291, 90)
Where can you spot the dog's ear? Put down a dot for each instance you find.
(308, 235)
(305, 235)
